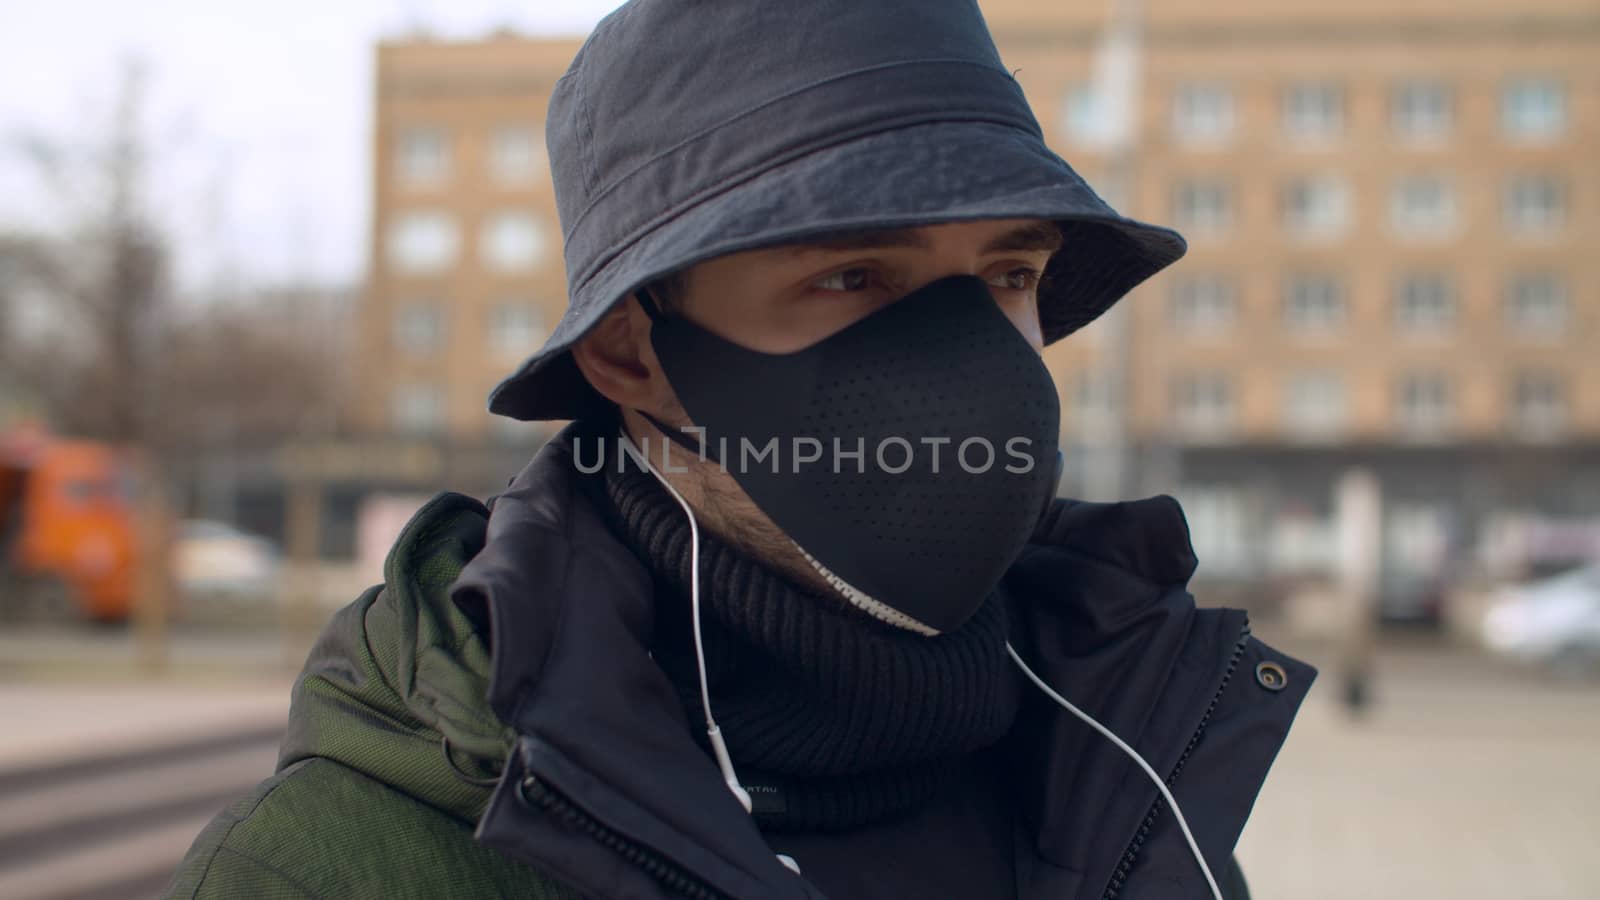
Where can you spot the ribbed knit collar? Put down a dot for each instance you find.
(833, 719)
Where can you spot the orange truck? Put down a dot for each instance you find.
(67, 533)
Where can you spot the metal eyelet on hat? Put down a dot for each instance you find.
(1272, 676)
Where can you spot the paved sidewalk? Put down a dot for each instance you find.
(1467, 782)
(104, 785)
(112, 654)
(53, 723)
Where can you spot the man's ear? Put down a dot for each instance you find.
(617, 359)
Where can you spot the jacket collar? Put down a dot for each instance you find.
(572, 613)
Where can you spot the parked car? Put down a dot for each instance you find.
(1553, 622)
(215, 559)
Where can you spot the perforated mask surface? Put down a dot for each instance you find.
(913, 450)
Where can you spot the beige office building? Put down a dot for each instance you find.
(466, 277)
(1394, 222)
(1393, 213)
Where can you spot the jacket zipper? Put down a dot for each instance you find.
(1131, 855)
(675, 878)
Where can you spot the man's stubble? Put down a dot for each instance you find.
(722, 508)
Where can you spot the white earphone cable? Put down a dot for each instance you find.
(718, 746)
(1105, 732)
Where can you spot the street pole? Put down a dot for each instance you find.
(1359, 512)
(152, 582)
(303, 536)
(1116, 92)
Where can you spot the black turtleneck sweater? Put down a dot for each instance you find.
(848, 732)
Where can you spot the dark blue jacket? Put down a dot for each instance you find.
(607, 790)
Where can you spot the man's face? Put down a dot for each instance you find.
(783, 299)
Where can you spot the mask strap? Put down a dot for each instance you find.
(1133, 754)
(649, 304)
(677, 436)
(652, 308)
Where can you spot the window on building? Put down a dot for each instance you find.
(1080, 113)
(1316, 207)
(1313, 111)
(422, 242)
(515, 328)
(1314, 404)
(1424, 303)
(1423, 206)
(1536, 304)
(1203, 206)
(512, 242)
(1538, 405)
(1425, 404)
(1416, 543)
(1535, 204)
(1202, 113)
(515, 154)
(1220, 526)
(419, 328)
(1203, 304)
(1313, 303)
(1203, 404)
(417, 409)
(1421, 110)
(1533, 109)
(422, 156)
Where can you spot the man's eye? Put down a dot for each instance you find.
(1019, 279)
(846, 281)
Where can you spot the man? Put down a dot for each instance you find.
(767, 619)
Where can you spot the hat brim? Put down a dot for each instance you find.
(917, 175)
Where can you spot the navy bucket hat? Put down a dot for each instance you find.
(688, 129)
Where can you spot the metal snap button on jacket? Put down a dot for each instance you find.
(1271, 676)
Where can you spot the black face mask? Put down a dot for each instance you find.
(908, 456)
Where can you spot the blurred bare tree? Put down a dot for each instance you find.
(127, 356)
(253, 370)
(104, 275)
(10, 260)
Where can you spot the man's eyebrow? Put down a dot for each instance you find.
(862, 239)
(1033, 237)
(1037, 236)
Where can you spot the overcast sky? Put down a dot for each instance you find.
(262, 112)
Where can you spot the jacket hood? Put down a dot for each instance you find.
(396, 686)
